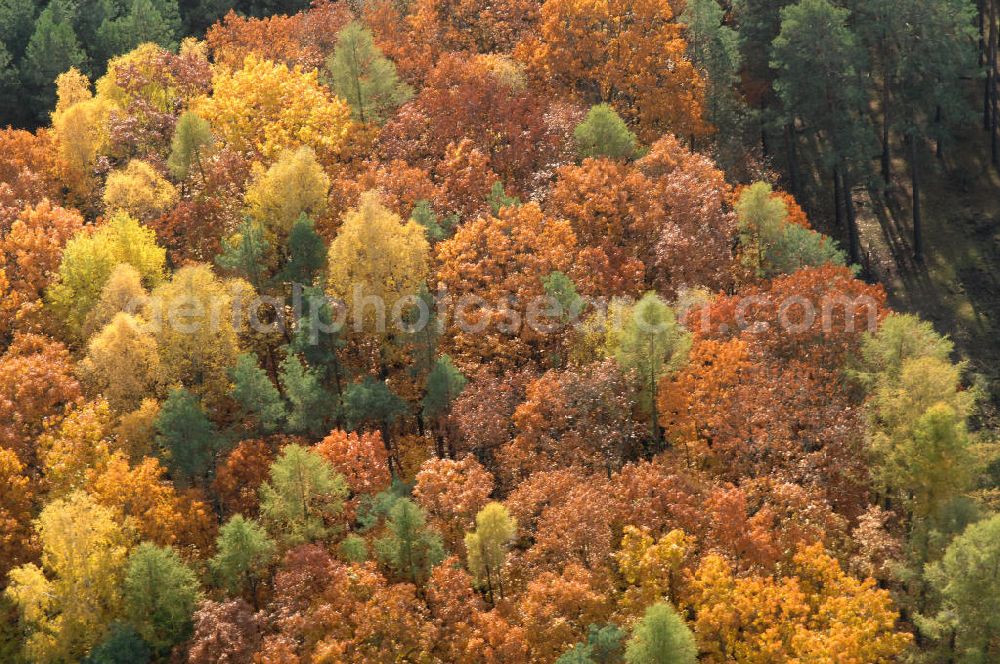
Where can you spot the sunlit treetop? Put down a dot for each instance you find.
(263, 109)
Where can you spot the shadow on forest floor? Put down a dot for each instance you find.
(957, 286)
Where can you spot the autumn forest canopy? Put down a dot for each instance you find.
(488, 332)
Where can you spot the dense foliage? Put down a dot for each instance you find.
(453, 331)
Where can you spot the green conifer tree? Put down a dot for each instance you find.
(604, 134)
(192, 136)
(410, 548)
(161, 593)
(306, 253)
(52, 49)
(187, 436)
(365, 77)
(244, 553)
(661, 637)
(303, 496)
(254, 391)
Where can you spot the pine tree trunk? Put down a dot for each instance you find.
(387, 441)
(918, 233)
(990, 68)
(340, 392)
(489, 585)
(853, 244)
(981, 23)
(765, 150)
(886, 124)
(992, 78)
(837, 209)
(986, 97)
(272, 365)
(793, 160)
(939, 143)
(252, 584)
(654, 416)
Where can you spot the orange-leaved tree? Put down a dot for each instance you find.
(629, 53)
(494, 267)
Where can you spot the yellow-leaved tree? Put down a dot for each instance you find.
(122, 292)
(89, 260)
(139, 190)
(292, 186)
(82, 443)
(80, 129)
(265, 108)
(651, 568)
(191, 319)
(379, 258)
(122, 363)
(67, 604)
(817, 613)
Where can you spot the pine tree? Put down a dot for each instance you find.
(317, 338)
(52, 49)
(365, 77)
(713, 47)
(312, 407)
(161, 593)
(199, 15)
(192, 136)
(353, 549)
(444, 383)
(244, 552)
(9, 82)
(17, 23)
(437, 229)
(604, 134)
(651, 342)
(122, 645)
(819, 59)
(254, 391)
(578, 654)
(409, 548)
(561, 288)
(188, 437)
(604, 645)
(145, 21)
(245, 253)
(772, 246)
(423, 334)
(305, 251)
(372, 401)
(920, 51)
(303, 496)
(661, 637)
(498, 198)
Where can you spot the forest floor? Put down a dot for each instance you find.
(957, 285)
